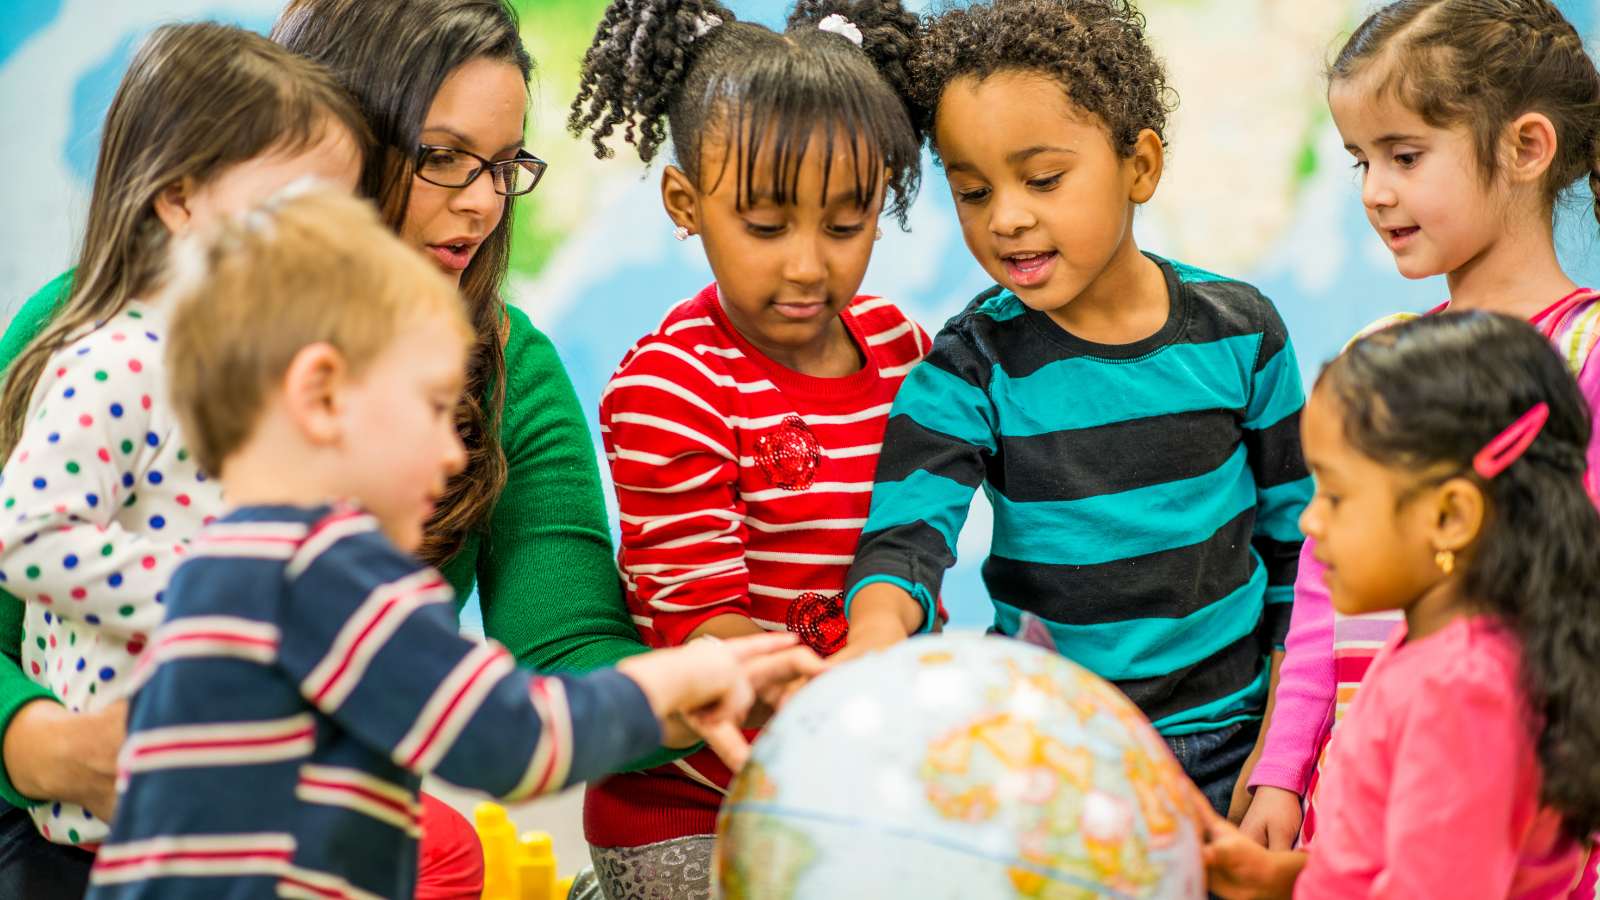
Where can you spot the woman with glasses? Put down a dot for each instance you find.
(443, 85)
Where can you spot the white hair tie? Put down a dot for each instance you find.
(841, 26)
(704, 24)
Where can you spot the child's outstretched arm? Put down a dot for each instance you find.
(674, 461)
(941, 429)
(696, 682)
(372, 642)
(1300, 712)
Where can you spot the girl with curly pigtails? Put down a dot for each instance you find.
(1450, 455)
(743, 431)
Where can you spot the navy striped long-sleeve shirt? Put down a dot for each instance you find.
(308, 674)
(1146, 496)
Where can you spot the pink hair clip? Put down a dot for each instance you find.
(1510, 444)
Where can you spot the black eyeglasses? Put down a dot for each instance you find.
(453, 167)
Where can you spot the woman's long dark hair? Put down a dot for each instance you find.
(1430, 394)
(688, 67)
(393, 56)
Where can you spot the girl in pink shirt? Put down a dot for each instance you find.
(1466, 120)
(1449, 454)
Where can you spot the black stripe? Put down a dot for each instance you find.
(909, 447)
(1274, 334)
(1169, 584)
(959, 346)
(1211, 311)
(1225, 672)
(1275, 624)
(1282, 559)
(914, 552)
(1120, 456)
(1274, 451)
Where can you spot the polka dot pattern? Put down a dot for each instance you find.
(100, 497)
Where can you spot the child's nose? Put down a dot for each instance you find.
(455, 455)
(803, 263)
(1009, 216)
(1376, 191)
(1310, 522)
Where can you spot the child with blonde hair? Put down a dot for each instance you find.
(307, 660)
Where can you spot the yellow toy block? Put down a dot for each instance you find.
(513, 869)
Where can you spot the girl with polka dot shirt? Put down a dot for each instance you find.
(99, 494)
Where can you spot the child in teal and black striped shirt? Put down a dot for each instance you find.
(1133, 421)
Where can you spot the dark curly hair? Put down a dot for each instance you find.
(689, 68)
(1481, 64)
(1428, 395)
(1095, 49)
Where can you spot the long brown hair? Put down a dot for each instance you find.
(393, 56)
(1481, 64)
(197, 99)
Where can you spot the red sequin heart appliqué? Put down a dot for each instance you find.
(789, 455)
(819, 621)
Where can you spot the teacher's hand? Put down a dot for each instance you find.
(52, 753)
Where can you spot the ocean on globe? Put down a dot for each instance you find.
(959, 766)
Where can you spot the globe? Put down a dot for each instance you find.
(959, 766)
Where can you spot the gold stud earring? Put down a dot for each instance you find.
(1445, 560)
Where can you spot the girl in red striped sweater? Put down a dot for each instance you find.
(743, 432)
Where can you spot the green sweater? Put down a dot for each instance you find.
(546, 577)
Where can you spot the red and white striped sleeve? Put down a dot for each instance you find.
(670, 442)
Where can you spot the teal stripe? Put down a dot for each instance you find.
(1110, 527)
(921, 497)
(1002, 307)
(1280, 593)
(1147, 648)
(944, 402)
(918, 593)
(1276, 393)
(1280, 506)
(1245, 703)
(1188, 274)
(1178, 378)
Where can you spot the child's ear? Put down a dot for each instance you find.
(1458, 515)
(172, 205)
(1531, 147)
(680, 198)
(1146, 162)
(311, 392)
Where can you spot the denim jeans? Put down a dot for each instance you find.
(1213, 759)
(32, 868)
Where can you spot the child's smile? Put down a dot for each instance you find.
(1030, 268)
(1046, 202)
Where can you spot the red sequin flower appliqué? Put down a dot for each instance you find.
(789, 454)
(819, 621)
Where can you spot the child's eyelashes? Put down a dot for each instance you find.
(1045, 183)
(771, 231)
(1407, 160)
(763, 231)
(976, 195)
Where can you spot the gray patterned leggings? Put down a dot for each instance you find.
(679, 869)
